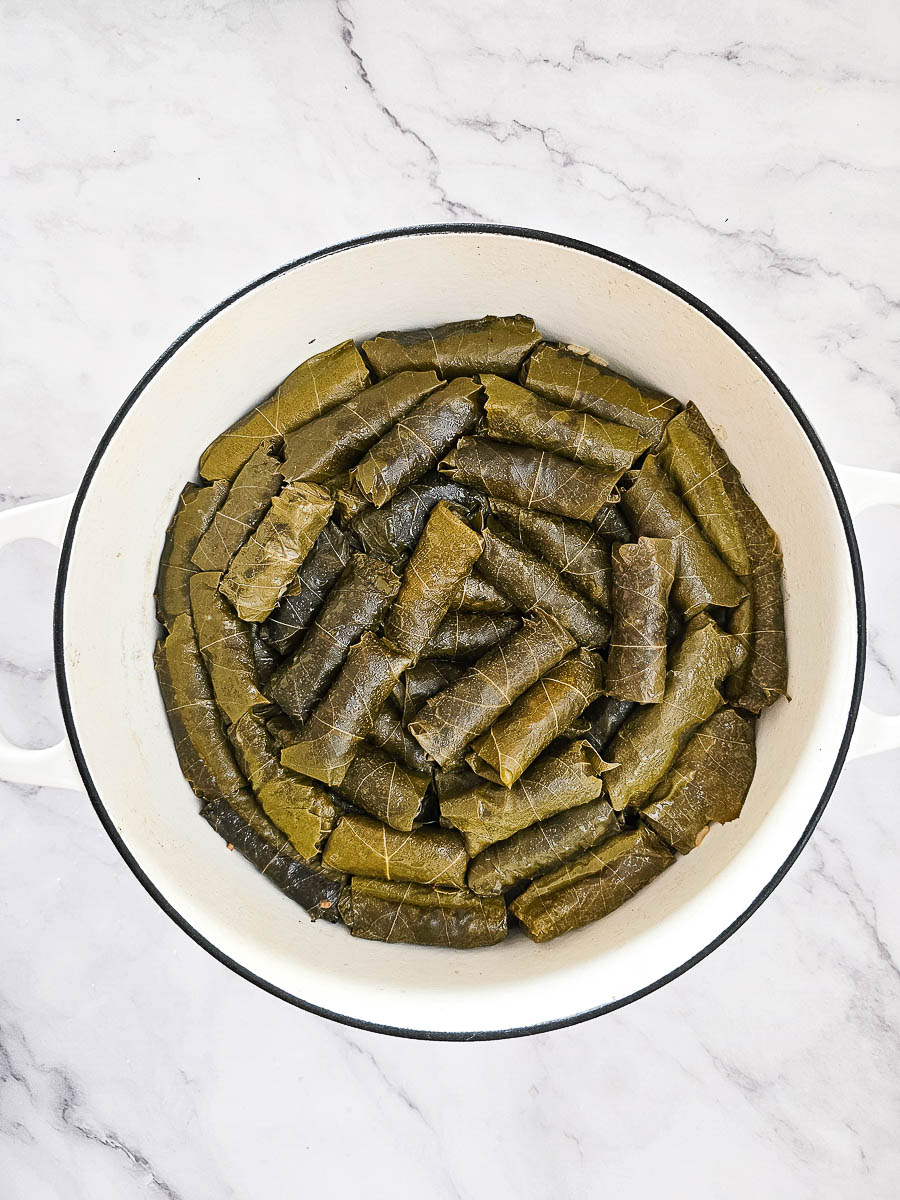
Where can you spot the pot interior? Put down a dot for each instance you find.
(109, 629)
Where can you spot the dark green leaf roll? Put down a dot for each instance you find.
(541, 848)
(576, 549)
(707, 784)
(455, 716)
(643, 573)
(655, 510)
(465, 634)
(477, 595)
(575, 380)
(537, 718)
(203, 750)
(390, 734)
(347, 712)
(245, 505)
(266, 565)
(393, 531)
(443, 556)
(517, 415)
(318, 573)
(418, 441)
(224, 641)
(364, 846)
(196, 508)
(692, 458)
(302, 809)
(566, 775)
(315, 386)
(424, 916)
(531, 478)
(384, 787)
(532, 583)
(495, 344)
(591, 886)
(421, 682)
(649, 742)
(337, 440)
(356, 603)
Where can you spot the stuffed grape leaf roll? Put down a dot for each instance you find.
(517, 415)
(692, 458)
(655, 510)
(423, 916)
(315, 386)
(357, 602)
(443, 556)
(249, 809)
(758, 621)
(565, 775)
(421, 682)
(495, 344)
(575, 380)
(384, 787)
(332, 443)
(603, 720)
(712, 488)
(245, 505)
(314, 887)
(363, 846)
(464, 634)
(643, 573)
(318, 572)
(707, 784)
(418, 441)
(576, 549)
(532, 583)
(537, 718)
(531, 478)
(203, 751)
(347, 712)
(224, 642)
(477, 595)
(196, 508)
(392, 532)
(649, 742)
(455, 716)
(267, 564)
(541, 848)
(389, 732)
(591, 886)
(302, 809)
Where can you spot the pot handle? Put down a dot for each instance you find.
(865, 489)
(54, 766)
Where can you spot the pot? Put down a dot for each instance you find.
(119, 747)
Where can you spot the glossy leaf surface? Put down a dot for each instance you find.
(337, 440)
(449, 721)
(266, 565)
(643, 573)
(315, 386)
(496, 344)
(422, 916)
(592, 885)
(365, 846)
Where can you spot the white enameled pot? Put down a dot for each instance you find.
(119, 747)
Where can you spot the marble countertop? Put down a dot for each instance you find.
(160, 156)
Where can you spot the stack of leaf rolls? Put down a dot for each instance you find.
(463, 632)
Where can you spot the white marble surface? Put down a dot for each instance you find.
(159, 156)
